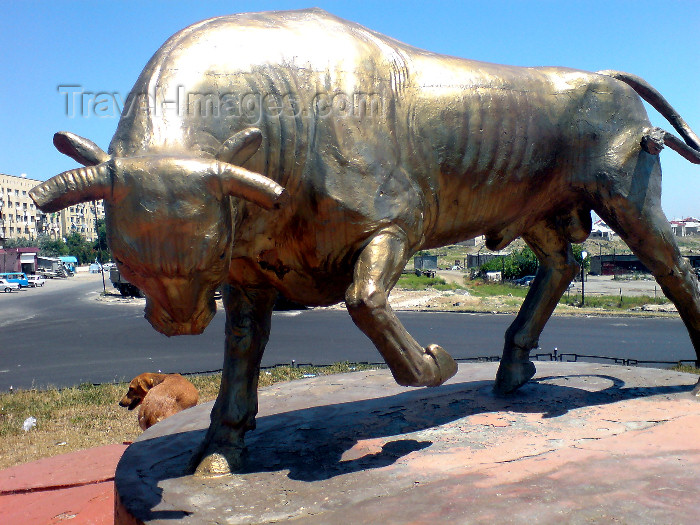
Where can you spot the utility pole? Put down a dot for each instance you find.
(99, 247)
(584, 254)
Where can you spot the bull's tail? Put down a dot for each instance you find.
(658, 137)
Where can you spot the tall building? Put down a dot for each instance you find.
(20, 218)
(18, 214)
(79, 218)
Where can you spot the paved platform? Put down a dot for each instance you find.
(75, 488)
(582, 443)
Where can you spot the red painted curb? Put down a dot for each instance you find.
(77, 486)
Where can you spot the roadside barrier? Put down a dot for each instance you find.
(564, 357)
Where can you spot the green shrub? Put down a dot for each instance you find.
(523, 262)
(416, 282)
(513, 266)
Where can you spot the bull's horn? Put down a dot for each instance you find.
(253, 187)
(85, 151)
(238, 148)
(71, 187)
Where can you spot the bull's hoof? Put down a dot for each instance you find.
(213, 461)
(435, 367)
(446, 366)
(512, 375)
(216, 465)
(696, 391)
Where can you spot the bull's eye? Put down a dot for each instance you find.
(119, 261)
(223, 254)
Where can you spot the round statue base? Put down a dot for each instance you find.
(582, 443)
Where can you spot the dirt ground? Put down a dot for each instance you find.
(608, 285)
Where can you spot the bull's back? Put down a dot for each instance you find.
(280, 71)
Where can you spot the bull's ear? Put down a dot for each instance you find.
(71, 187)
(238, 148)
(253, 187)
(79, 149)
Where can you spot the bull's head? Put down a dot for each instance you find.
(169, 219)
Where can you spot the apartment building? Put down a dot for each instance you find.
(79, 218)
(18, 214)
(20, 218)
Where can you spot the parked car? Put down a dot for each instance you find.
(525, 281)
(7, 286)
(35, 280)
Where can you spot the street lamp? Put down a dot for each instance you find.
(584, 254)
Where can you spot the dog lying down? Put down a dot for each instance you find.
(159, 396)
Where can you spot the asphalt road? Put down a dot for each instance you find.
(61, 335)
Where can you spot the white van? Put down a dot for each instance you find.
(35, 280)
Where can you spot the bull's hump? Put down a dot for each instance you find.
(308, 39)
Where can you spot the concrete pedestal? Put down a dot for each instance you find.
(581, 443)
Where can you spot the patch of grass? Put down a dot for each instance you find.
(88, 415)
(415, 282)
(16, 407)
(481, 288)
(287, 373)
(66, 420)
(613, 302)
(686, 368)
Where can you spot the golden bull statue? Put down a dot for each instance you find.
(297, 153)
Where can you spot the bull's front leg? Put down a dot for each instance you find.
(557, 268)
(377, 269)
(248, 318)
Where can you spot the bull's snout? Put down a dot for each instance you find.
(180, 319)
(181, 324)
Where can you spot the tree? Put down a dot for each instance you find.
(101, 247)
(80, 248)
(49, 247)
(20, 242)
(524, 262)
(577, 249)
(517, 264)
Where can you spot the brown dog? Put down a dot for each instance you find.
(160, 396)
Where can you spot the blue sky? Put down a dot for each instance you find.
(102, 46)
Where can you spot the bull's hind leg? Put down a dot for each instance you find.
(376, 271)
(557, 268)
(647, 232)
(248, 319)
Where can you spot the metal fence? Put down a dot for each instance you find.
(564, 357)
